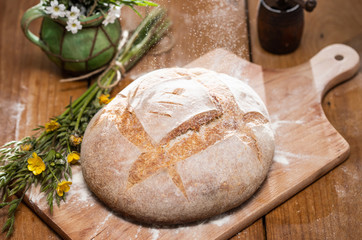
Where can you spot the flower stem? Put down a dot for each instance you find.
(77, 101)
(144, 27)
(41, 136)
(92, 8)
(68, 146)
(53, 173)
(13, 160)
(83, 107)
(145, 36)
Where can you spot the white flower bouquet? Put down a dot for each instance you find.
(80, 36)
(74, 10)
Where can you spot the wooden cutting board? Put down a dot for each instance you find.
(307, 147)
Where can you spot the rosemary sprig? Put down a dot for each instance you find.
(45, 157)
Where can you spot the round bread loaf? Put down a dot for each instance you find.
(178, 145)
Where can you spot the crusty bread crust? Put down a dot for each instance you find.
(178, 145)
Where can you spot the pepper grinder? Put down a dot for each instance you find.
(281, 22)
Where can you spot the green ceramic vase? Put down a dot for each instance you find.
(89, 49)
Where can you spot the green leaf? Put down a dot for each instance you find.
(5, 194)
(51, 206)
(62, 134)
(74, 119)
(16, 182)
(13, 208)
(57, 199)
(63, 129)
(10, 230)
(70, 172)
(151, 3)
(22, 186)
(9, 143)
(46, 179)
(7, 224)
(50, 196)
(45, 188)
(4, 204)
(14, 191)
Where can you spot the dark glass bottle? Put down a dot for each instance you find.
(280, 25)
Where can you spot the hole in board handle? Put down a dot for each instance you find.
(339, 57)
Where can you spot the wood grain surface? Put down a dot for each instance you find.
(84, 217)
(328, 209)
(293, 98)
(331, 207)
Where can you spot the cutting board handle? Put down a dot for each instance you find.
(333, 65)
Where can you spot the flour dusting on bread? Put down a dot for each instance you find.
(204, 146)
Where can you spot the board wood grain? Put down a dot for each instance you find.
(327, 209)
(307, 146)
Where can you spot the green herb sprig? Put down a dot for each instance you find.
(45, 157)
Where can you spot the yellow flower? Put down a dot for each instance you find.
(52, 126)
(75, 140)
(63, 187)
(104, 99)
(73, 157)
(36, 164)
(25, 147)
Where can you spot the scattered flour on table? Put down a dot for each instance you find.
(350, 174)
(285, 157)
(341, 191)
(79, 192)
(221, 221)
(19, 108)
(280, 123)
(101, 225)
(280, 157)
(180, 229)
(13, 111)
(37, 197)
(155, 233)
(293, 155)
(138, 231)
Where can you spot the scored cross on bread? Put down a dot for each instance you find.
(178, 145)
(161, 143)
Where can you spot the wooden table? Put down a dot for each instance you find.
(330, 208)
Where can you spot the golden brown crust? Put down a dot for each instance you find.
(130, 127)
(194, 123)
(163, 177)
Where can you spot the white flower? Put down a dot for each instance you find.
(73, 25)
(73, 13)
(109, 19)
(55, 9)
(113, 14)
(116, 10)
